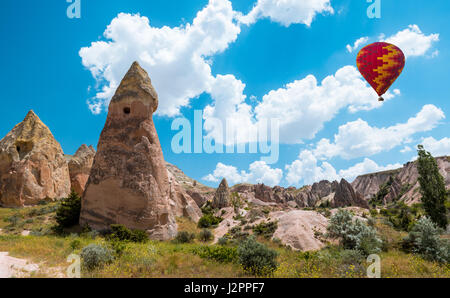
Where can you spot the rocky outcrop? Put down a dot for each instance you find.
(129, 181)
(299, 229)
(198, 192)
(368, 185)
(222, 198)
(404, 184)
(80, 167)
(32, 165)
(182, 203)
(346, 196)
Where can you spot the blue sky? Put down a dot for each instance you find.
(241, 59)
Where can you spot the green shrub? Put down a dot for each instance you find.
(256, 258)
(95, 256)
(424, 239)
(373, 212)
(75, 244)
(353, 234)
(68, 212)
(205, 235)
(13, 220)
(265, 229)
(209, 220)
(122, 233)
(118, 247)
(222, 241)
(139, 236)
(220, 254)
(184, 237)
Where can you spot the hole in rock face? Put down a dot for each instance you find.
(127, 110)
(24, 147)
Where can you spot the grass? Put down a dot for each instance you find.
(170, 259)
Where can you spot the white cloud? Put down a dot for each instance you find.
(302, 107)
(259, 172)
(307, 169)
(177, 59)
(437, 147)
(357, 44)
(414, 42)
(306, 105)
(358, 139)
(406, 149)
(287, 12)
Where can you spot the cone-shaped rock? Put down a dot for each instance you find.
(80, 167)
(32, 165)
(346, 196)
(222, 197)
(128, 183)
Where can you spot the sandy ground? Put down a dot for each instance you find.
(13, 267)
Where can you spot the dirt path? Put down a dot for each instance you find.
(13, 267)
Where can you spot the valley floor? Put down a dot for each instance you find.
(169, 259)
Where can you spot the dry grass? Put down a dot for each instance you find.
(169, 259)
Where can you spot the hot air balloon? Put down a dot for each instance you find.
(380, 64)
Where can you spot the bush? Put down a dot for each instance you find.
(265, 229)
(424, 240)
(184, 237)
(209, 220)
(118, 247)
(256, 258)
(220, 254)
(122, 233)
(205, 235)
(75, 244)
(222, 241)
(68, 212)
(353, 234)
(95, 256)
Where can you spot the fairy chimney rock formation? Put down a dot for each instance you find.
(32, 165)
(222, 197)
(128, 183)
(80, 167)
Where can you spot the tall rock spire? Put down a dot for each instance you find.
(32, 165)
(128, 183)
(222, 196)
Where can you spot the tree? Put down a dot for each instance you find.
(68, 212)
(432, 188)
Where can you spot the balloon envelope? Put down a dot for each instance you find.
(380, 64)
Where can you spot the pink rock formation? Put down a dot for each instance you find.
(128, 183)
(32, 165)
(80, 167)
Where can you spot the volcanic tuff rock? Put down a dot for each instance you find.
(182, 203)
(346, 196)
(404, 186)
(198, 192)
(298, 229)
(222, 197)
(80, 167)
(32, 165)
(129, 181)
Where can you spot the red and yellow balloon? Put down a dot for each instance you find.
(381, 64)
